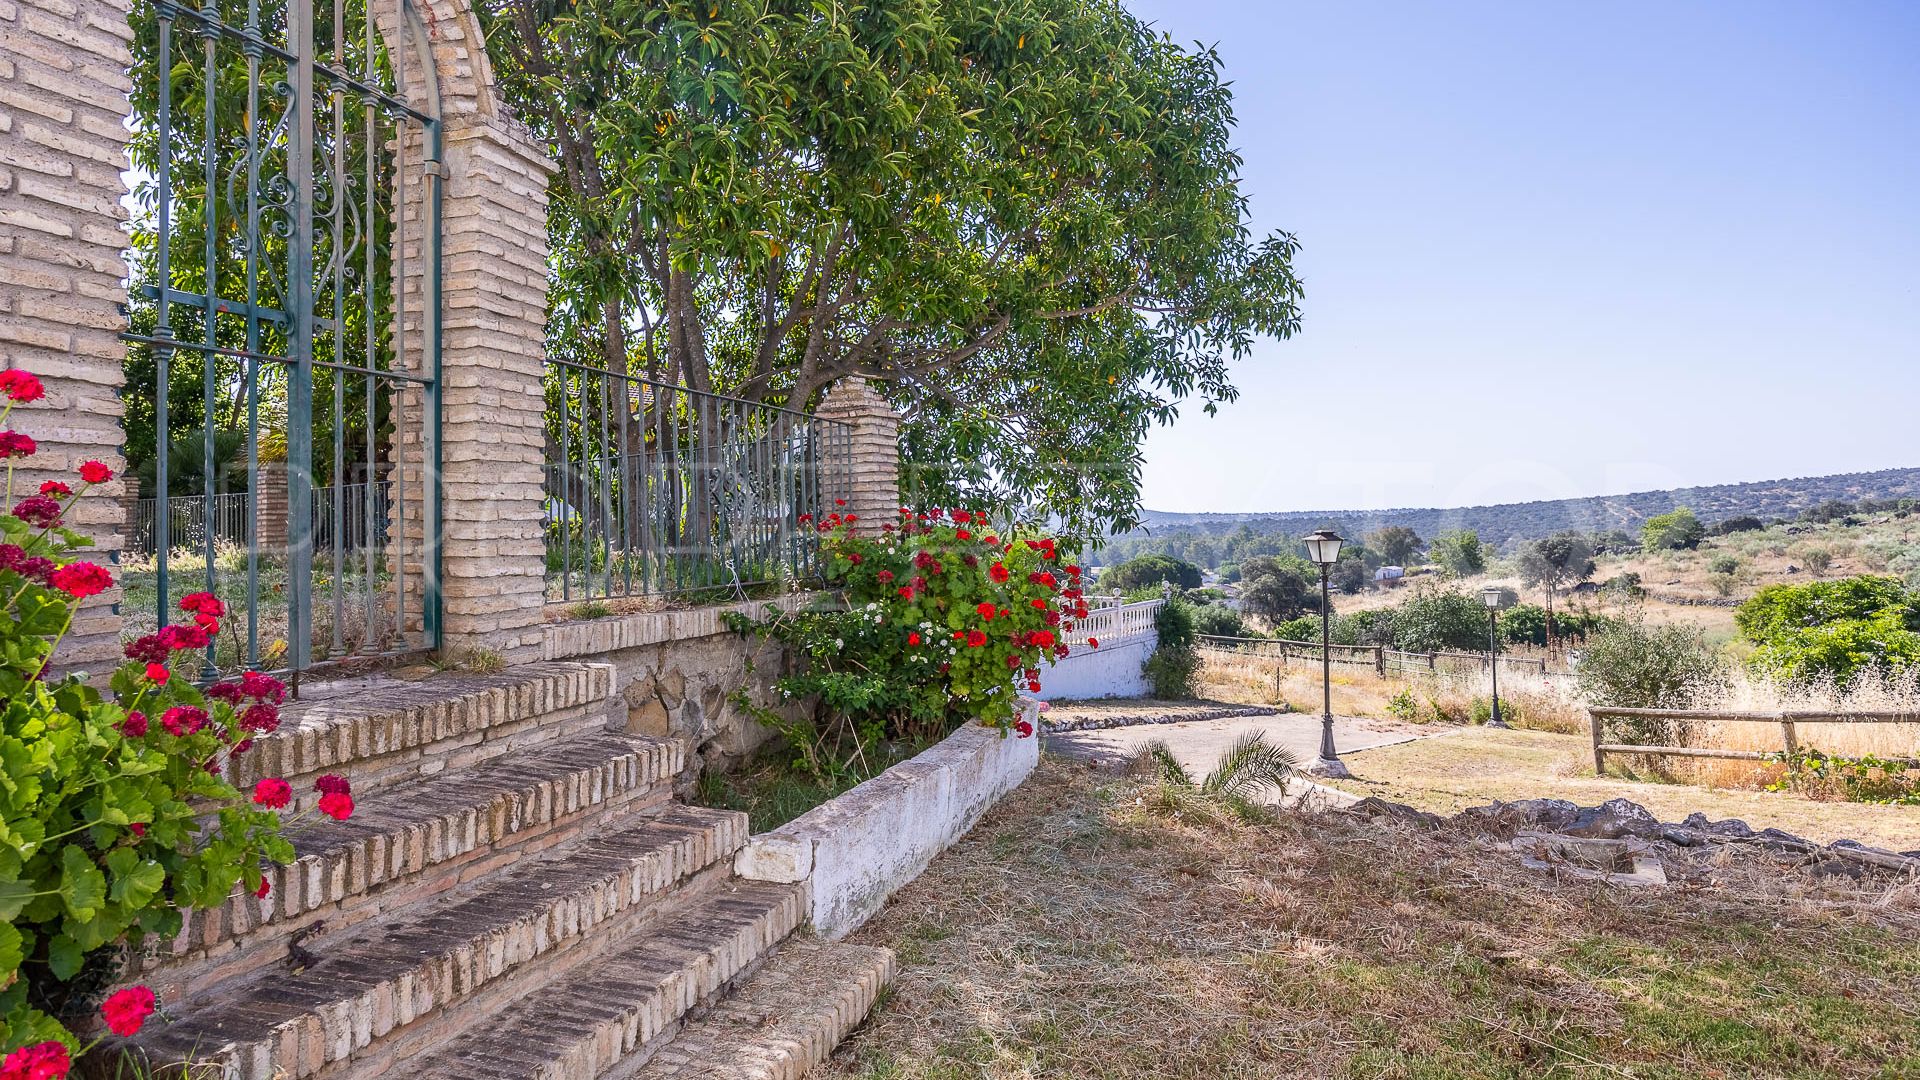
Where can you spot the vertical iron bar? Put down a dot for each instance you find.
(210, 321)
(300, 341)
(606, 483)
(625, 503)
(253, 53)
(430, 452)
(565, 511)
(338, 264)
(163, 329)
(370, 361)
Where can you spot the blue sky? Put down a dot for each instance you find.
(1566, 249)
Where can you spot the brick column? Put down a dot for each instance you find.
(63, 98)
(270, 507)
(493, 361)
(871, 484)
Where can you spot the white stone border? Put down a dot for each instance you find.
(858, 849)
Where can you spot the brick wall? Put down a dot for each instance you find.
(63, 88)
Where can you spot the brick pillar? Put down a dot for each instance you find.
(270, 504)
(493, 362)
(871, 484)
(63, 98)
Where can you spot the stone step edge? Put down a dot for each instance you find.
(630, 1001)
(489, 816)
(782, 1020)
(332, 733)
(295, 1037)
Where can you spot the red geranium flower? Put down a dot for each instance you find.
(337, 805)
(839, 502)
(999, 573)
(82, 579)
(158, 673)
(95, 472)
(21, 385)
(127, 1010)
(962, 534)
(884, 576)
(332, 784)
(138, 828)
(260, 718)
(1093, 643)
(203, 603)
(41, 1061)
(1038, 604)
(135, 725)
(1024, 728)
(906, 592)
(1034, 686)
(183, 720)
(56, 489)
(273, 792)
(38, 511)
(13, 444)
(913, 637)
(856, 558)
(265, 888)
(985, 610)
(976, 638)
(961, 517)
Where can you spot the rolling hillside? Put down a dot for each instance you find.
(1510, 523)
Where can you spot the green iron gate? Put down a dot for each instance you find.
(285, 340)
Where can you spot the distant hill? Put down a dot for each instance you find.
(1509, 523)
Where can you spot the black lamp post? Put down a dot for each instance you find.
(1495, 598)
(1323, 547)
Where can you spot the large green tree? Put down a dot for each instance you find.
(1023, 215)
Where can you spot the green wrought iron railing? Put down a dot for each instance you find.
(286, 299)
(654, 489)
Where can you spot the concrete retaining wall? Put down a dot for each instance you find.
(857, 849)
(1112, 670)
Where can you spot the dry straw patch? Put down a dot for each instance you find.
(1091, 927)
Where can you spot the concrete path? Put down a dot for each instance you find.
(1197, 745)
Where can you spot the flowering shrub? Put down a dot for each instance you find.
(115, 813)
(946, 621)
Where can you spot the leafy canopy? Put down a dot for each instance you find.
(1832, 629)
(1669, 532)
(1459, 554)
(1024, 215)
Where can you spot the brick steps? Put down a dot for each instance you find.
(601, 1015)
(784, 1019)
(418, 840)
(372, 984)
(383, 732)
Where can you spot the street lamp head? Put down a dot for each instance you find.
(1494, 596)
(1323, 546)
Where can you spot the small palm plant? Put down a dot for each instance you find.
(1249, 765)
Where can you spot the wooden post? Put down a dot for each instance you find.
(1788, 735)
(1380, 660)
(1599, 755)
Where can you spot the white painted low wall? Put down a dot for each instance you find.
(857, 849)
(1112, 670)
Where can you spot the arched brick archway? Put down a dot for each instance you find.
(63, 297)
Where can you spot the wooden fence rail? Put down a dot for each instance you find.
(1372, 656)
(1786, 719)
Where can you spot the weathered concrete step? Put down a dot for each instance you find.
(407, 973)
(601, 1015)
(416, 841)
(381, 731)
(784, 1019)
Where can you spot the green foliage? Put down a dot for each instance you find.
(1374, 627)
(1724, 564)
(1174, 624)
(1396, 544)
(1150, 570)
(1526, 624)
(1672, 531)
(1350, 575)
(1303, 628)
(1459, 553)
(1170, 671)
(1737, 524)
(1866, 779)
(1249, 766)
(1832, 629)
(110, 827)
(1228, 571)
(1025, 217)
(942, 620)
(1435, 619)
(1218, 620)
(1565, 558)
(1629, 663)
(1402, 706)
(1279, 587)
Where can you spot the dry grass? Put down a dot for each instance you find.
(1089, 928)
